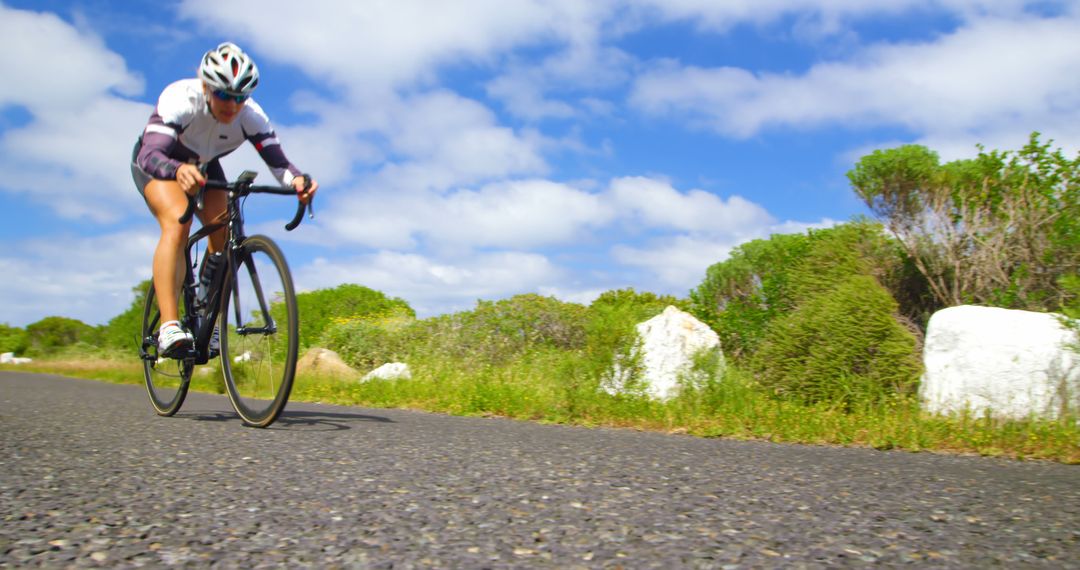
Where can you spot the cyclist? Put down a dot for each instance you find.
(196, 122)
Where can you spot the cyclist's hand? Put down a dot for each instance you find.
(304, 195)
(190, 178)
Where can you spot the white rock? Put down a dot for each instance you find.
(669, 342)
(245, 357)
(1015, 364)
(10, 358)
(389, 371)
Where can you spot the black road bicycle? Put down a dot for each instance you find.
(249, 298)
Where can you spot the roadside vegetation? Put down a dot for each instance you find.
(821, 331)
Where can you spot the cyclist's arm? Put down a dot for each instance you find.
(265, 141)
(270, 150)
(161, 153)
(154, 156)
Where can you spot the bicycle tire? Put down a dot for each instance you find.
(167, 379)
(259, 331)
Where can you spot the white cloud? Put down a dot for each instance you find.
(524, 213)
(794, 227)
(702, 227)
(375, 46)
(523, 97)
(521, 213)
(677, 263)
(570, 295)
(64, 160)
(85, 278)
(656, 204)
(49, 66)
(527, 90)
(685, 231)
(452, 201)
(536, 213)
(372, 49)
(434, 286)
(815, 18)
(988, 76)
(66, 156)
(461, 135)
(374, 218)
(432, 141)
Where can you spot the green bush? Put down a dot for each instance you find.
(999, 229)
(494, 333)
(320, 309)
(862, 247)
(13, 339)
(497, 331)
(369, 342)
(614, 314)
(610, 329)
(122, 331)
(51, 334)
(742, 295)
(765, 280)
(834, 254)
(1071, 284)
(843, 346)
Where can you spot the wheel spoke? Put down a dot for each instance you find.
(259, 335)
(167, 379)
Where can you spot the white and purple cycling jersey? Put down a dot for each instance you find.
(182, 130)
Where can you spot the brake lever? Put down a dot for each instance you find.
(300, 208)
(195, 202)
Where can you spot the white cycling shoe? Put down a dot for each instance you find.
(172, 338)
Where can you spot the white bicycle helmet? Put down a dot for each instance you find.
(230, 69)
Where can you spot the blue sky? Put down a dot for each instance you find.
(477, 149)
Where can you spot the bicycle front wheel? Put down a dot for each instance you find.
(259, 331)
(167, 379)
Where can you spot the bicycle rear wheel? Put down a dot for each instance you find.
(259, 331)
(167, 379)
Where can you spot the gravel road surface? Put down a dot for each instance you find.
(89, 476)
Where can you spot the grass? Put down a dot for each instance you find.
(557, 387)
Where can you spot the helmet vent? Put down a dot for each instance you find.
(230, 69)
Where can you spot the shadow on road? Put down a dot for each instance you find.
(305, 420)
(329, 420)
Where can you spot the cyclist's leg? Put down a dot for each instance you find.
(214, 204)
(168, 202)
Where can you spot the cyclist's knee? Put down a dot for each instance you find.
(172, 229)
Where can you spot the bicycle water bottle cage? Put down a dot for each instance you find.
(207, 276)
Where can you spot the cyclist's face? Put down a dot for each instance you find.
(224, 110)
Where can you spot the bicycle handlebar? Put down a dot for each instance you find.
(299, 217)
(246, 187)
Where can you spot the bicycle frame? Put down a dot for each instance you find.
(202, 319)
(259, 379)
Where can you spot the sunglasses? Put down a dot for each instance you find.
(226, 96)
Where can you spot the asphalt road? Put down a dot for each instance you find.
(89, 476)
